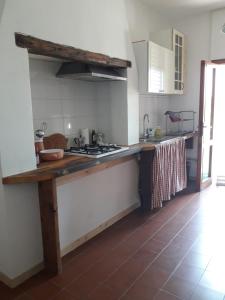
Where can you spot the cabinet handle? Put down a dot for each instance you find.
(161, 91)
(182, 85)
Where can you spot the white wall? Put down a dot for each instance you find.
(217, 37)
(143, 20)
(81, 209)
(22, 229)
(2, 4)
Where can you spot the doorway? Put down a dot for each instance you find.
(219, 127)
(211, 158)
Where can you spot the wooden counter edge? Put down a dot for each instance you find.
(19, 178)
(34, 176)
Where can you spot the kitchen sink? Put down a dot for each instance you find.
(155, 140)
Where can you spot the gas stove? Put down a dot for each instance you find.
(95, 151)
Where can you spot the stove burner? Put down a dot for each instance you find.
(96, 150)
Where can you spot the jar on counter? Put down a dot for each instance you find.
(158, 132)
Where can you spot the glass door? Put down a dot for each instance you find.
(206, 123)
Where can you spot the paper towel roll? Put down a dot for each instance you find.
(85, 135)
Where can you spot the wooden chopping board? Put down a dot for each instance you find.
(55, 141)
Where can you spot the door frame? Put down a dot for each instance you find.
(199, 184)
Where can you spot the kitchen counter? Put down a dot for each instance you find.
(72, 163)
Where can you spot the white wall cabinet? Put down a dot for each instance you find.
(155, 68)
(173, 40)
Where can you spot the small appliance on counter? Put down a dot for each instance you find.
(96, 151)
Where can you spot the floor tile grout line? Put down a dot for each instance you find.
(160, 254)
(132, 233)
(178, 298)
(175, 269)
(152, 237)
(63, 289)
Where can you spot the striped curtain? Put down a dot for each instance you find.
(169, 170)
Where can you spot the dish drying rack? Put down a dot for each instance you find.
(179, 117)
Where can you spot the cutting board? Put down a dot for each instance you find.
(55, 141)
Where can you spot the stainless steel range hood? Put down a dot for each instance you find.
(88, 72)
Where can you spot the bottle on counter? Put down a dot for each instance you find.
(93, 137)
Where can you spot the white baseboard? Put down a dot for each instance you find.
(13, 282)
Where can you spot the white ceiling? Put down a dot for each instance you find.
(180, 8)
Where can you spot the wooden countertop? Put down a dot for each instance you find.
(72, 163)
(69, 164)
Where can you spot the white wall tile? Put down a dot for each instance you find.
(68, 89)
(73, 125)
(155, 106)
(70, 108)
(45, 88)
(46, 109)
(53, 125)
(66, 105)
(87, 107)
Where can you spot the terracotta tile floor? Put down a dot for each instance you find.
(177, 252)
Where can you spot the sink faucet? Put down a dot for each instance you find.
(145, 130)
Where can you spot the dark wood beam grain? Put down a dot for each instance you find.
(50, 226)
(50, 49)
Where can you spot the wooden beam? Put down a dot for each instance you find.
(50, 226)
(50, 49)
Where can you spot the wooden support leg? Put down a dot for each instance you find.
(145, 179)
(50, 227)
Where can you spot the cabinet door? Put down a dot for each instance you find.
(155, 69)
(178, 47)
(168, 84)
(161, 69)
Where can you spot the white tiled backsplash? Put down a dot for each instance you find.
(66, 105)
(155, 106)
(69, 105)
